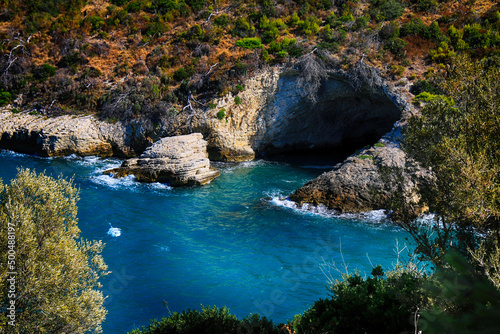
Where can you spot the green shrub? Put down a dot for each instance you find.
(243, 28)
(119, 2)
(44, 72)
(134, 6)
(239, 88)
(5, 98)
(182, 74)
(310, 26)
(361, 22)
(237, 100)
(433, 31)
(396, 46)
(378, 305)
(94, 22)
(221, 114)
(414, 27)
(423, 86)
(249, 43)
(475, 36)
(389, 30)
(443, 54)
(196, 5)
(222, 20)
(386, 10)
(155, 29)
(211, 320)
(428, 97)
(425, 5)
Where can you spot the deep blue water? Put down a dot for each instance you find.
(233, 242)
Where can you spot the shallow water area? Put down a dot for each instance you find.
(236, 241)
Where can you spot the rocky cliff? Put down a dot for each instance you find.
(272, 114)
(65, 135)
(275, 116)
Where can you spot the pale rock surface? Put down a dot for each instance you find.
(65, 135)
(178, 161)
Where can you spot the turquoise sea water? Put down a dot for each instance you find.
(233, 242)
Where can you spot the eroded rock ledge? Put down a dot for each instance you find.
(65, 135)
(178, 161)
(358, 184)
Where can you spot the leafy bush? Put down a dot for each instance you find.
(196, 5)
(475, 36)
(249, 43)
(221, 114)
(211, 320)
(379, 305)
(237, 100)
(396, 46)
(386, 10)
(94, 23)
(119, 2)
(423, 86)
(44, 212)
(222, 20)
(425, 5)
(310, 26)
(43, 72)
(443, 54)
(5, 97)
(389, 30)
(414, 27)
(243, 28)
(155, 29)
(183, 73)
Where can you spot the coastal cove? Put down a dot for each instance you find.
(233, 242)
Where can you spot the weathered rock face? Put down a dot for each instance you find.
(357, 184)
(66, 135)
(178, 161)
(274, 117)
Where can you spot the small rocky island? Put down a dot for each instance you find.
(178, 161)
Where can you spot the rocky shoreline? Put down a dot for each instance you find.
(271, 117)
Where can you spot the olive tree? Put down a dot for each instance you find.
(50, 276)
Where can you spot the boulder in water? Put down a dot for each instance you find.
(178, 161)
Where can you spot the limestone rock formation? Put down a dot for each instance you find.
(65, 135)
(275, 117)
(178, 161)
(357, 184)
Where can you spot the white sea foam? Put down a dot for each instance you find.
(115, 183)
(165, 249)
(114, 231)
(375, 216)
(230, 167)
(9, 153)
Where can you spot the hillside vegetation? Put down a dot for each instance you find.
(147, 59)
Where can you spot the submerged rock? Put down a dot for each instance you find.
(178, 161)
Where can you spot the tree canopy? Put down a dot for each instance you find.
(52, 278)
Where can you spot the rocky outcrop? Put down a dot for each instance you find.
(65, 135)
(274, 116)
(359, 183)
(178, 161)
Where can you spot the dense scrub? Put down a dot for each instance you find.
(81, 56)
